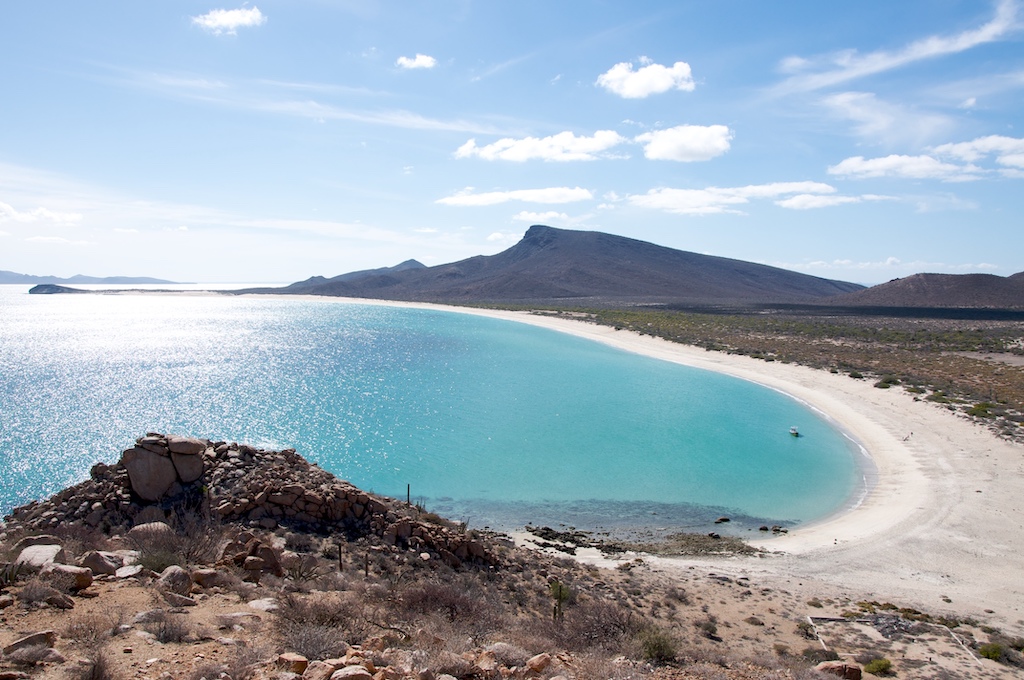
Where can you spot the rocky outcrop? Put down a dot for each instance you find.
(165, 475)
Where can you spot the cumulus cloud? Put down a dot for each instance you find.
(812, 201)
(909, 167)
(565, 146)
(466, 197)
(686, 143)
(540, 217)
(649, 79)
(1007, 150)
(718, 200)
(8, 213)
(228, 21)
(419, 61)
(847, 65)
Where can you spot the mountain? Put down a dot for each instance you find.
(582, 267)
(314, 281)
(942, 291)
(13, 277)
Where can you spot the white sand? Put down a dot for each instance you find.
(944, 514)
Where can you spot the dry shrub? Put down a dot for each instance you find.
(169, 627)
(464, 601)
(194, 539)
(96, 667)
(594, 625)
(35, 593)
(319, 625)
(92, 628)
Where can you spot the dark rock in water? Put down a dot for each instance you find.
(53, 289)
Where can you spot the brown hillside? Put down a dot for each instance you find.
(942, 290)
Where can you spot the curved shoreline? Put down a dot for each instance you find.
(941, 529)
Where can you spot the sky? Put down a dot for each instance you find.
(275, 140)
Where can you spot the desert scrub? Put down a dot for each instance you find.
(878, 667)
(993, 651)
(168, 628)
(657, 645)
(320, 624)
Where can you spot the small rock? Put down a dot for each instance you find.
(266, 604)
(290, 661)
(319, 670)
(128, 571)
(352, 673)
(176, 600)
(538, 663)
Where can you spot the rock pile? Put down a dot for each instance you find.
(166, 474)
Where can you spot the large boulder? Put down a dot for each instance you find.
(188, 465)
(175, 579)
(36, 557)
(840, 669)
(151, 474)
(187, 445)
(101, 562)
(80, 578)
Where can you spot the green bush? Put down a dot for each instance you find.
(656, 645)
(993, 651)
(878, 667)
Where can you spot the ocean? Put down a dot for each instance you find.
(491, 422)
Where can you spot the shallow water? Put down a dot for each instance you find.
(492, 422)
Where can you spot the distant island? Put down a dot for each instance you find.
(16, 278)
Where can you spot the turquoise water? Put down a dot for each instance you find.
(492, 422)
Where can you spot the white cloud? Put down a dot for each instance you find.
(812, 201)
(565, 146)
(228, 21)
(1007, 150)
(540, 217)
(125, 231)
(8, 213)
(649, 79)
(419, 61)
(879, 120)
(466, 197)
(4, 233)
(686, 143)
(718, 200)
(847, 65)
(909, 167)
(969, 103)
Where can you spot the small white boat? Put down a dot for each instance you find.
(793, 431)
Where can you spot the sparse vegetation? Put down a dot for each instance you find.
(878, 667)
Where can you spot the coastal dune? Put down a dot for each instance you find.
(941, 525)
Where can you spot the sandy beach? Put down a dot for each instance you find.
(941, 527)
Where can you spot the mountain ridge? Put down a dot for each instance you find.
(551, 265)
(7, 277)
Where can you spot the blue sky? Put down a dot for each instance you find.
(275, 140)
